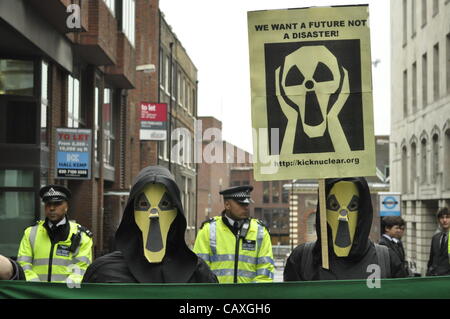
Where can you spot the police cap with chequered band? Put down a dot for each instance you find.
(54, 193)
(240, 194)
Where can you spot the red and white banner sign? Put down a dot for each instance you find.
(153, 121)
(154, 112)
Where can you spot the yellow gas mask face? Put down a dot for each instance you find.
(342, 215)
(154, 213)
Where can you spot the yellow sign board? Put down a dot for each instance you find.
(311, 87)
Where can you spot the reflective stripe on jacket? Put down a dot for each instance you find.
(216, 245)
(40, 259)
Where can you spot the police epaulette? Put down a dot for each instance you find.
(85, 230)
(262, 223)
(206, 221)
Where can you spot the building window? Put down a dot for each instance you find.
(275, 191)
(192, 150)
(190, 189)
(162, 150)
(194, 101)
(128, 19)
(267, 217)
(413, 174)
(173, 89)
(44, 103)
(311, 224)
(405, 93)
(435, 162)
(74, 114)
(280, 220)
(17, 207)
(266, 191)
(258, 213)
(167, 73)
(111, 5)
(424, 12)
(18, 122)
(435, 7)
(436, 71)
(404, 171)
(413, 18)
(311, 228)
(245, 182)
(405, 14)
(186, 184)
(108, 127)
(414, 87)
(179, 89)
(162, 68)
(448, 63)
(192, 110)
(16, 178)
(235, 183)
(187, 96)
(182, 84)
(446, 156)
(16, 77)
(424, 81)
(423, 163)
(285, 195)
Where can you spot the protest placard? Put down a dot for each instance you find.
(311, 87)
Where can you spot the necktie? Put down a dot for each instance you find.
(444, 243)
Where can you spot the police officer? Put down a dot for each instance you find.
(56, 249)
(237, 248)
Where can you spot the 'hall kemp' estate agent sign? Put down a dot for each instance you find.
(311, 86)
(73, 153)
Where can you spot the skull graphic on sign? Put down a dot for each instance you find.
(305, 84)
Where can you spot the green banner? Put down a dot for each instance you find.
(408, 288)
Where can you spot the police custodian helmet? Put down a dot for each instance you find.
(240, 194)
(54, 194)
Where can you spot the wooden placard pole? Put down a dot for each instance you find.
(323, 223)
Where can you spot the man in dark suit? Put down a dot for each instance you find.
(438, 264)
(392, 228)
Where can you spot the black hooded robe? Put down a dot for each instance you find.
(307, 267)
(128, 264)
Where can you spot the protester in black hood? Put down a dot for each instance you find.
(350, 251)
(150, 239)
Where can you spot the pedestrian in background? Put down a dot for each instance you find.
(438, 263)
(393, 230)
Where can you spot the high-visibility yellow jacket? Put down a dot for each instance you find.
(43, 260)
(233, 258)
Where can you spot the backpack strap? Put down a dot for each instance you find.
(384, 260)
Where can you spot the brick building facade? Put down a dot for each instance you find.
(231, 166)
(72, 64)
